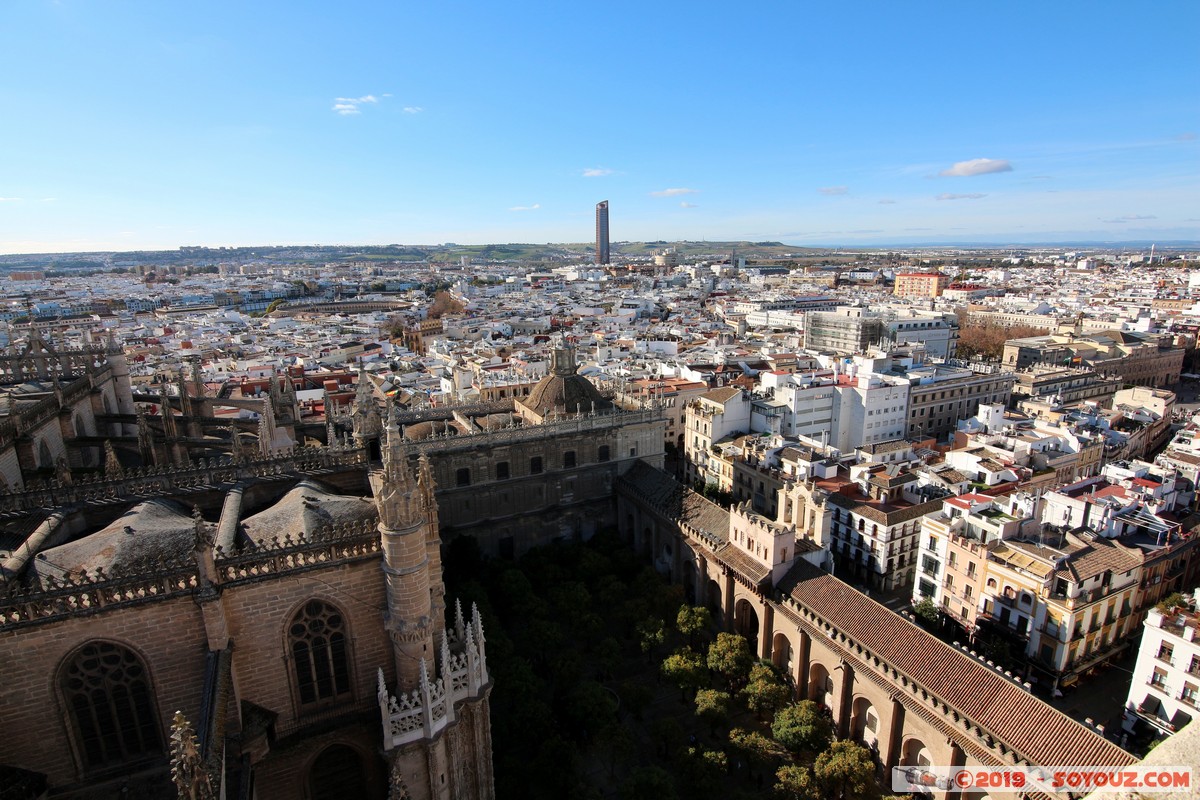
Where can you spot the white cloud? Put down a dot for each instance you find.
(976, 166)
(347, 106)
(597, 172)
(413, 109)
(12, 199)
(674, 192)
(972, 196)
(887, 202)
(1130, 218)
(833, 191)
(533, 207)
(686, 204)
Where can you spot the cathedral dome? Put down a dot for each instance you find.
(564, 390)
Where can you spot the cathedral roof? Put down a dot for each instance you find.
(141, 539)
(308, 507)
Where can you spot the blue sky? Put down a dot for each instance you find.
(158, 124)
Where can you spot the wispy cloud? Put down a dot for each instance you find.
(674, 192)
(976, 166)
(413, 109)
(533, 207)
(686, 204)
(12, 199)
(833, 191)
(971, 196)
(348, 106)
(1130, 218)
(887, 201)
(597, 172)
(1186, 136)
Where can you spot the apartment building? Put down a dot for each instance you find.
(710, 418)
(876, 524)
(1165, 692)
(920, 284)
(941, 396)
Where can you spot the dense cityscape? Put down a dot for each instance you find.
(632, 401)
(831, 500)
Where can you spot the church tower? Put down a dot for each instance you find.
(436, 727)
(406, 526)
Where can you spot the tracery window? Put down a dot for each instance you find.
(318, 641)
(111, 705)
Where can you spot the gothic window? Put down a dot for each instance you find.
(535, 465)
(317, 639)
(463, 477)
(111, 705)
(603, 454)
(569, 459)
(502, 471)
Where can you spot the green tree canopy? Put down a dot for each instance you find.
(712, 706)
(649, 783)
(766, 692)
(652, 632)
(758, 750)
(794, 782)
(685, 669)
(692, 620)
(846, 771)
(730, 656)
(802, 728)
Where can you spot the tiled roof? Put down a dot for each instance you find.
(884, 514)
(673, 499)
(722, 395)
(742, 563)
(1037, 731)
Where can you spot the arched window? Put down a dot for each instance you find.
(317, 639)
(463, 477)
(111, 705)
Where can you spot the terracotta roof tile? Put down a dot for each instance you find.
(1037, 731)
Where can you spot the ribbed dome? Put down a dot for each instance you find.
(563, 391)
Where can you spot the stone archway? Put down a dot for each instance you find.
(864, 722)
(336, 773)
(713, 591)
(782, 655)
(915, 753)
(820, 685)
(745, 622)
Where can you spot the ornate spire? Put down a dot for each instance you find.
(236, 451)
(266, 428)
(145, 438)
(427, 485)
(112, 465)
(188, 772)
(365, 413)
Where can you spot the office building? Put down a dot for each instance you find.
(602, 232)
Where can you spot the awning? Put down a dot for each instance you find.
(1180, 719)
(1149, 706)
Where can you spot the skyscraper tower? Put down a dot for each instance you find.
(602, 232)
